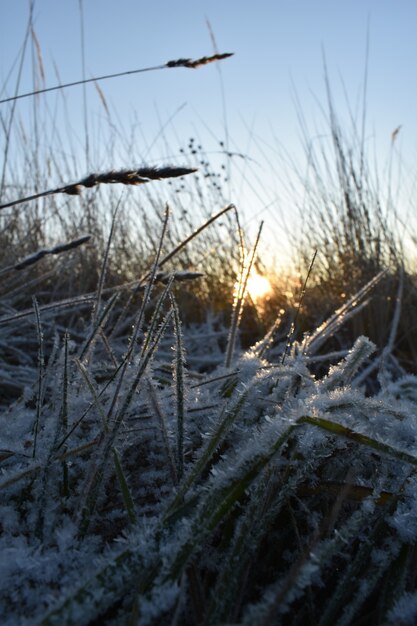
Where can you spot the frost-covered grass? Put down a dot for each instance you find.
(136, 490)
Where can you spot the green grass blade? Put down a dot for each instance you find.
(127, 496)
(343, 431)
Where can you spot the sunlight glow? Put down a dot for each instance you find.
(258, 286)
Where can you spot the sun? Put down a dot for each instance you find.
(258, 286)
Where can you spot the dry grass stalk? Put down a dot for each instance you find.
(39, 254)
(193, 64)
(127, 177)
(179, 63)
(124, 177)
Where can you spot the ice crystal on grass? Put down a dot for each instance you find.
(160, 601)
(156, 492)
(404, 519)
(404, 612)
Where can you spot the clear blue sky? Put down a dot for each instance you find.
(278, 46)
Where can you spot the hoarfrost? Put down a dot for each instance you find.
(256, 412)
(404, 612)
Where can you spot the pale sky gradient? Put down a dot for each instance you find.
(278, 46)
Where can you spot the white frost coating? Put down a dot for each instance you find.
(404, 612)
(161, 600)
(46, 566)
(404, 519)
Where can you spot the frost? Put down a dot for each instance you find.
(404, 612)
(263, 489)
(159, 602)
(404, 520)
